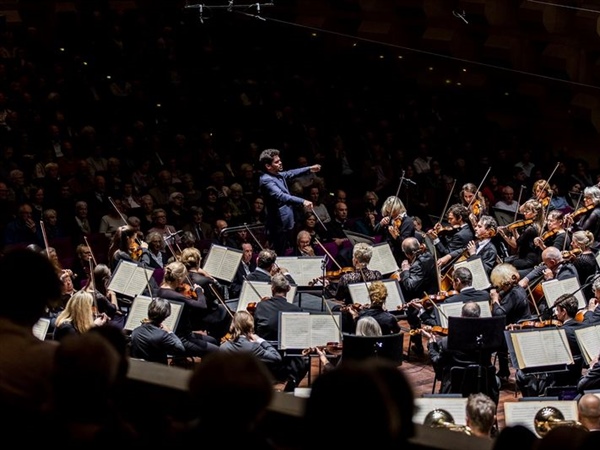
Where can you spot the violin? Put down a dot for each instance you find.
(447, 231)
(435, 329)
(580, 211)
(187, 290)
(476, 207)
(535, 324)
(548, 234)
(135, 251)
(571, 254)
(336, 274)
(333, 348)
(227, 337)
(397, 222)
(518, 224)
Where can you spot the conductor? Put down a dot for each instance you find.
(279, 202)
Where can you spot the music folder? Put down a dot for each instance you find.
(536, 351)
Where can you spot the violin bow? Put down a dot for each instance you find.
(448, 201)
(537, 311)
(85, 239)
(327, 253)
(123, 218)
(479, 187)
(436, 306)
(44, 235)
(319, 219)
(254, 237)
(547, 183)
(218, 296)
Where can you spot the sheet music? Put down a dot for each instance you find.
(300, 330)
(139, 311)
(360, 294)
(455, 309)
(555, 288)
(383, 259)
(303, 269)
(523, 412)
(248, 295)
(588, 339)
(541, 348)
(222, 262)
(40, 329)
(456, 406)
(480, 278)
(130, 279)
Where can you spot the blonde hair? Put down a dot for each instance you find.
(191, 258)
(393, 207)
(242, 324)
(368, 326)
(175, 273)
(378, 293)
(503, 275)
(78, 311)
(583, 238)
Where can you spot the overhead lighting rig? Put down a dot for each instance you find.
(231, 6)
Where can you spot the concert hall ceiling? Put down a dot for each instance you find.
(547, 52)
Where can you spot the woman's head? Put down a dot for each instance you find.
(175, 273)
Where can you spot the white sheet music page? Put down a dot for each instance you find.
(456, 406)
(304, 269)
(383, 259)
(524, 412)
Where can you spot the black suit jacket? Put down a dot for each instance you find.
(469, 294)
(488, 255)
(266, 316)
(456, 244)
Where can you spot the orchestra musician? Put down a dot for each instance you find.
(395, 226)
(215, 319)
(509, 299)
(553, 267)
(452, 242)
(521, 240)
(588, 216)
(418, 276)
(443, 359)
(266, 267)
(583, 258)
(361, 257)
(246, 267)
(266, 319)
(474, 200)
(377, 296)
(534, 385)
(592, 313)
(484, 248)
(542, 192)
(462, 281)
(555, 234)
(196, 342)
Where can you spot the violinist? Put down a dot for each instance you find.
(245, 339)
(417, 276)
(555, 234)
(215, 319)
(128, 246)
(377, 295)
(105, 299)
(452, 240)
(534, 385)
(395, 226)
(542, 192)
(266, 318)
(553, 267)
(361, 257)
(588, 216)
(444, 359)
(483, 247)
(266, 267)
(520, 236)
(583, 258)
(462, 282)
(474, 200)
(510, 300)
(197, 342)
(592, 313)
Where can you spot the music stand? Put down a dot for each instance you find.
(483, 335)
(358, 348)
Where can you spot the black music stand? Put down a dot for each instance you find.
(482, 335)
(358, 348)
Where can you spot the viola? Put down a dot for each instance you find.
(135, 251)
(476, 207)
